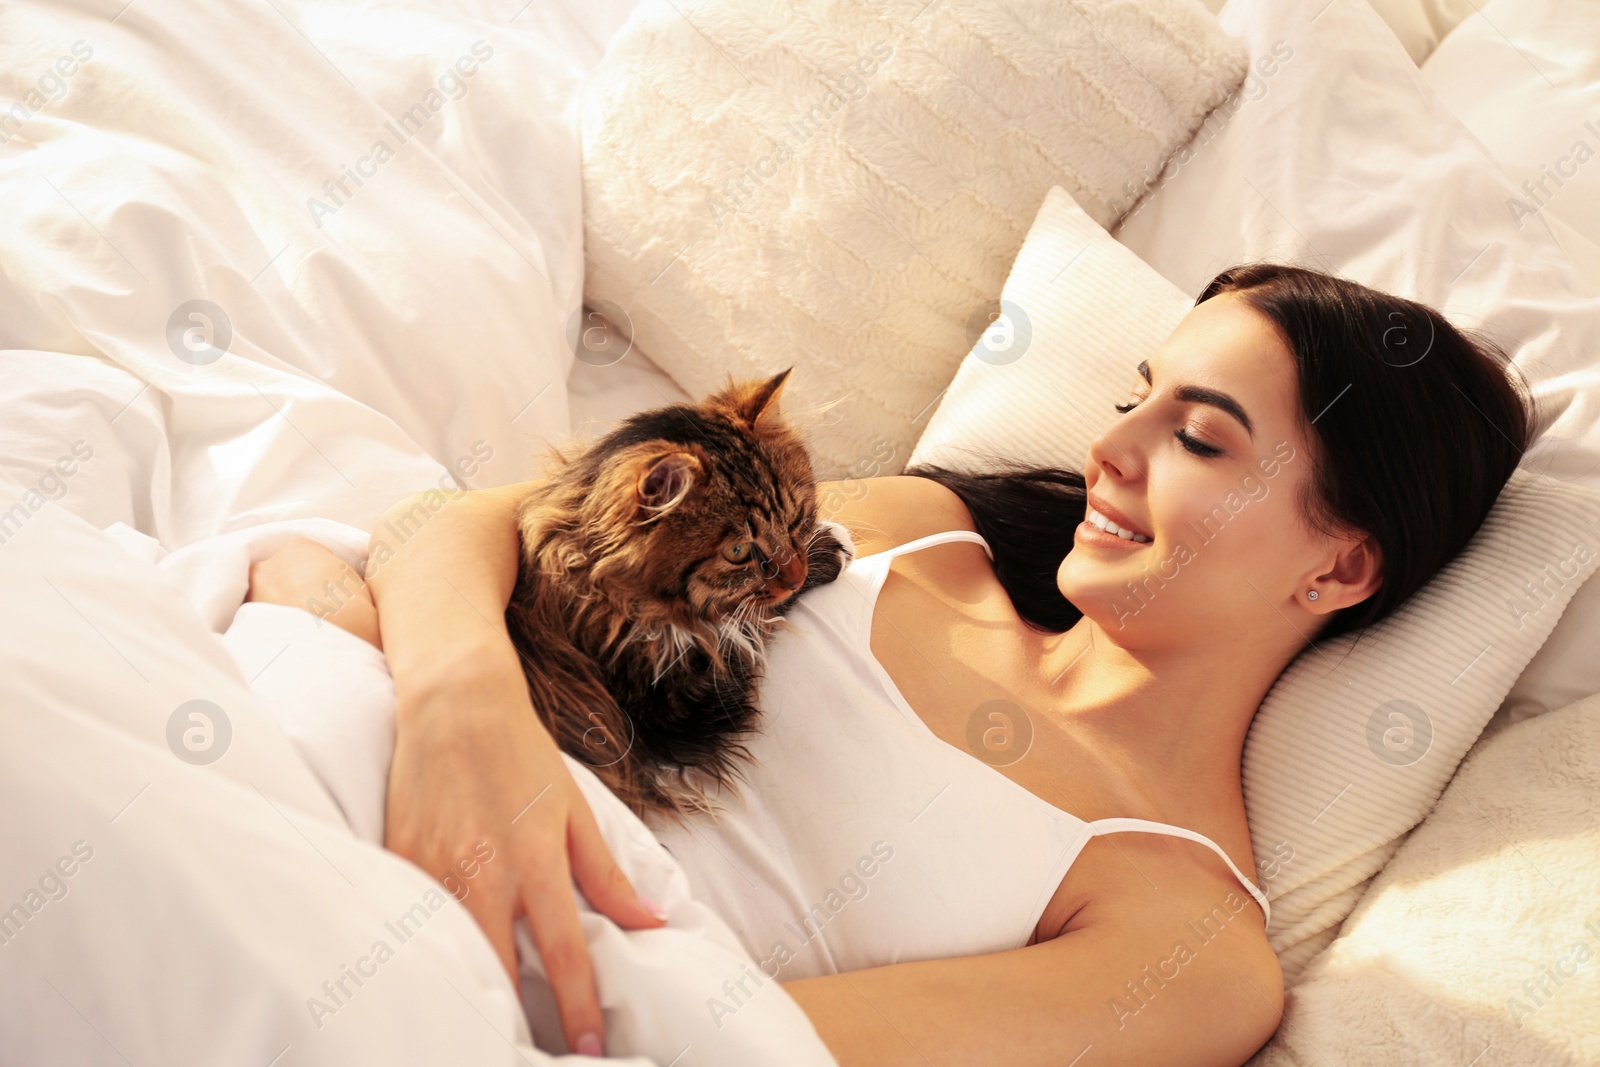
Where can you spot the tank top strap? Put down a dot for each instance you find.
(1112, 826)
(944, 537)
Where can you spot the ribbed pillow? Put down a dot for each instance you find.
(1356, 740)
(841, 187)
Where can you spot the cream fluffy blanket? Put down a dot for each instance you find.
(1480, 941)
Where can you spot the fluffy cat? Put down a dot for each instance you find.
(656, 563)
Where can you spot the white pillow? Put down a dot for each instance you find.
(1419, 24)
(1482, 932)
(175, 885)
(1566, 669)
(1524, 77)
(1345, 161)
(1326, 803)
(842, 187)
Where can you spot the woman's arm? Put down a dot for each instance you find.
(1119, 992)
(472, 762)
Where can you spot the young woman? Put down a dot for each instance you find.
(1300, 456)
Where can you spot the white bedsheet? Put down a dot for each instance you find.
(602, 396)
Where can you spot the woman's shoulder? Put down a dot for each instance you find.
(1159, 912)
(883, 512)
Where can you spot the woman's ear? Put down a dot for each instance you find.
(1356, 573)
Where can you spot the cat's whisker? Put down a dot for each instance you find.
(742, 630)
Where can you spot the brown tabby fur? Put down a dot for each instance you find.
(642, 644)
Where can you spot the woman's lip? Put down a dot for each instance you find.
(1114, 515)
(1090, 534)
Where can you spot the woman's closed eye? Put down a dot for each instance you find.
(1185, 438)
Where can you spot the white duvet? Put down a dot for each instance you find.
(242, 325)
(265, 269)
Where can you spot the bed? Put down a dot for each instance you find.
(267, 270)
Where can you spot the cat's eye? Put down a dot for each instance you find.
(738, 553)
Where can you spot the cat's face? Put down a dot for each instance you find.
(713, 504)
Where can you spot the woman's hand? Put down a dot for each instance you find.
(477, 783)
(478, 786)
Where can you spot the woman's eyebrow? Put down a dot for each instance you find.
(1196, 394)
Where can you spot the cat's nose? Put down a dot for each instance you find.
(791, 575)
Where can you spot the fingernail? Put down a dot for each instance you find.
(589, 1045)
(653, 908)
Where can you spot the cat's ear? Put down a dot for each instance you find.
(665, 481)
(757, 402)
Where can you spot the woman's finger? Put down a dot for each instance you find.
(493, 908)
(552, 910)
(598, 875)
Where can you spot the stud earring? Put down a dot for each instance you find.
(1312, 595)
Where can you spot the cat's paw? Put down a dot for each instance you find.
(832, 549)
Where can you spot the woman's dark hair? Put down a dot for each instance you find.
(1027, 514)
(1415, 427)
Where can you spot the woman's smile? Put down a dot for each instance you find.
(1106, 527)
(1088, 532)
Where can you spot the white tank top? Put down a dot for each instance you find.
(861, 838)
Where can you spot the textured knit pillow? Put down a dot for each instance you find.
(1353, 744)
(841, 187)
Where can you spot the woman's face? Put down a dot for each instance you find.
(1203, 473)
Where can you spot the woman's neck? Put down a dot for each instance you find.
(1173, 717)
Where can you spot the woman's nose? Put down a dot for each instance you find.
(1116, 458)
